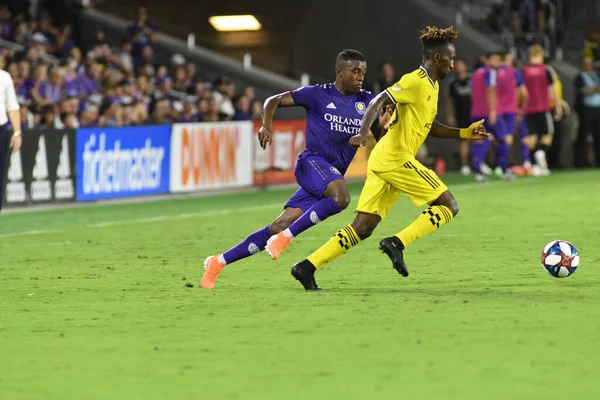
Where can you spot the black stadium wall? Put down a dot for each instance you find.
(387, 31)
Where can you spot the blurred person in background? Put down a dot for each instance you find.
(198, 89)
(528, 22)
(539, 81)
(160, 114)
(520, 127)
(48, 117)
(33, 86)
(249, 93)
(387, 77)
(142, 32)
(257, 110)
(27, 118)
(125, 57)
(242, 109)
(189, 110)
(70, 121)
(201, 109)
(512, 97)
(111, 114)
(192, 72)
(181, 82)
(88, 117)
(587, 105)
(223, 93)
(9, 112)
(24, 69)
(592, 47)
(209, 109)
(51, 89)
(484, 106)
(144, 60)
(559, 121)
(458, 108)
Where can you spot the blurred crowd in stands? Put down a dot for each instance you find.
(62, 85)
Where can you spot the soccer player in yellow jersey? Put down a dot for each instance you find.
(393, 168)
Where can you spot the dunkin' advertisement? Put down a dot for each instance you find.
(276, 163)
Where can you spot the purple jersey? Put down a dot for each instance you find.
(331, 120)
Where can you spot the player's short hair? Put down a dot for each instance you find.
(349, 55)
(434, 38)
(494, 53)
(536, 51)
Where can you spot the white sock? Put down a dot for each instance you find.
(540, 158)
(221, 260)
(288, 233)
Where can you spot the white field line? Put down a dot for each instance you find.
(452, 235)
(226, 211)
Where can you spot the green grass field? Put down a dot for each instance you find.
(97, 303)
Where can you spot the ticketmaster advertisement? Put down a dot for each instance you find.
(122, 162)
(43, 171)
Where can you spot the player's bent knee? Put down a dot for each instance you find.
(365, 224)
(453, 206)
(448, 201)
(363, 231)
(546, 139)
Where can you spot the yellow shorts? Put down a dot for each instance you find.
(381, 189)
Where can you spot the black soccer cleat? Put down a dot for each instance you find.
(393, 247)
(304, 272)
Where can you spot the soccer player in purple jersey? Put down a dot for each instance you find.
(513, 93)
(510, 87)
(333, 115)
(484, 105)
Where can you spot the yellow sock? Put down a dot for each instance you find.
(429, 220)
(335, 247)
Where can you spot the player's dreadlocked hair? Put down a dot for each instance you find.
(433, 37)
(349, 55)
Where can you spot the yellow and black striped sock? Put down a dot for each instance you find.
(335, 247)
(429, 220)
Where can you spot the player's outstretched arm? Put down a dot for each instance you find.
(474, 132)
(371, 114)
(265, 134)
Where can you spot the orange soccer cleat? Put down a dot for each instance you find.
(276, 244)
(213, 268)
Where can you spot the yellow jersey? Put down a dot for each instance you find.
(416, 98)
(557, 87)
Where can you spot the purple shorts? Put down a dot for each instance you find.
(498, 129)
(313, 174)
(510, 123)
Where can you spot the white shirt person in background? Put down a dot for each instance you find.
(9, 110)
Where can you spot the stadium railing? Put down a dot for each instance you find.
(19, 48)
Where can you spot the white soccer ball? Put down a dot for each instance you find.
(560, 258)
